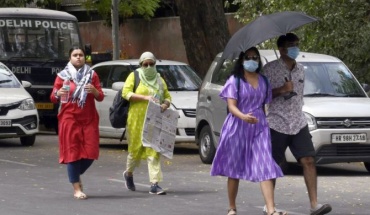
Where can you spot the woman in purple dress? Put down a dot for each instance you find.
(244, 151)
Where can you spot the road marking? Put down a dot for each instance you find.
(121, 181)
(26, 164)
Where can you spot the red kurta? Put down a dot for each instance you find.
(78, 127)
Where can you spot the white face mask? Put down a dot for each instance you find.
(293, 52)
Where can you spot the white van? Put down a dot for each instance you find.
(336, 106)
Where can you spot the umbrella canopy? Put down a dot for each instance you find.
(263, 28)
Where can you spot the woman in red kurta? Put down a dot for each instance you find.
(78, 118)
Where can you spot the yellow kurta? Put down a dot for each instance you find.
(136, 116)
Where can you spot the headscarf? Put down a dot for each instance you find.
(149, 75)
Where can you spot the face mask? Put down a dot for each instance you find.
(150, 72)
(293, 52)
(250, 65)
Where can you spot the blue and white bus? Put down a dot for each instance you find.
(34, 44)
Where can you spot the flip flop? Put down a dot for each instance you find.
(80, 195)
(231, 211)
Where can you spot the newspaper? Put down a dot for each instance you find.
(159, 131)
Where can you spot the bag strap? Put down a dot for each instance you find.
(237, 81)
(137, 80)
(267, 88)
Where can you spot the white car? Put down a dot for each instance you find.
(183, 84)
(18, 114)
(335, 105)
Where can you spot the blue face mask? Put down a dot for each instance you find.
(293, 52)
(250, 65)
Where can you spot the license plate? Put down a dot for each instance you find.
(348, 138)
(48, 106)
(5, 123)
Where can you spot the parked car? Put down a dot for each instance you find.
(18, 114)
(183, 84)
(335, 105)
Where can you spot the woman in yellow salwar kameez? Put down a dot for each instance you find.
(151, 88)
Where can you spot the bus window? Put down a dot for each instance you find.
(34, 44)
(39, 40)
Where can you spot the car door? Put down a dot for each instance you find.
(103, 72)
(218, 107)
(117, 73)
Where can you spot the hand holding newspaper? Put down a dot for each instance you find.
(159, 130)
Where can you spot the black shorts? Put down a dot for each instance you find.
(299, 144)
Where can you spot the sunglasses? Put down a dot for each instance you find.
(254, 57)
(148, 64)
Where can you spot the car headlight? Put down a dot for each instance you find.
(27, 104)
(311, 121)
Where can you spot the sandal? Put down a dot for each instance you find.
(231, 211)
(279, 213)
(80, 195)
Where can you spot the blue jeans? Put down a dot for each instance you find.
(77, 168)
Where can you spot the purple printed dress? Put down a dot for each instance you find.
(244, 151)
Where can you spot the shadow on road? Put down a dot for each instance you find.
(11, 143)
(180, 148)
(351, 169)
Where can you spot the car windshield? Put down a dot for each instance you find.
(179, 77)
(331, 80)
(7, 79)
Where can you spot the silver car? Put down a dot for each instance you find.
(335, 104)
(18, 114)
(182, 82)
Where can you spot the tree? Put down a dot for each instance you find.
(342, 31)
(204, 31)
(52, 4)
(14, 3)
(126, 8)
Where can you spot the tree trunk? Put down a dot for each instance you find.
(204, 31)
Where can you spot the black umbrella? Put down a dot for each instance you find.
(263, 28)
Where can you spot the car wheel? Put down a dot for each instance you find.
(28, 140)
(207, 148)
(367, 166)
(56, 128)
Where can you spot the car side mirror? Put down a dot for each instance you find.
(26, 84)
(117, 85)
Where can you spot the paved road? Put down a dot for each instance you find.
(33, 183)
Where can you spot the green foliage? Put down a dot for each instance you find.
(126, 9)
(14, 3)
(23, 3)
(342, 31)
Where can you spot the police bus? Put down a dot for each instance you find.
(34, 44)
